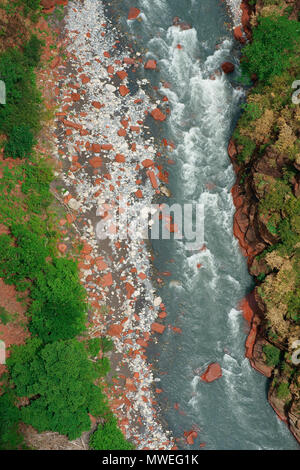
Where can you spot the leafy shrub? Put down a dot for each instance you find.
(58, 305)
(272, 355)
(21, 262)
(10, 438)
(106, 344)
(58, 308)
(93, 347)
(5, 316)
(30, 4)
(59, 379)
(36, 186)
(283, 390)
(20, 116)
(294, 296)
(32, 51)
(274, 40)
(252, 111)
(20, 142)
(96, 344)
(31, 7)
(103, 366)
(248, 147)
(109, 437)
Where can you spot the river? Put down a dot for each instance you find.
(205, 287)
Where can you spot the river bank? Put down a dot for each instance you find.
(106, 155)
(133, 125)
(273, 318)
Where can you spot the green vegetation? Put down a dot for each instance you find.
(272, 355)
(5, 316)
(109, 437)
(56, 379)
(59, 380)
(10, 438)
(268, 147)
(283, 390)
(270, 53)
(30, 8)
(20, 116)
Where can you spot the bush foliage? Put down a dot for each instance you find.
(54, 370)
(58, 378)
(270, 52)
(109, 437)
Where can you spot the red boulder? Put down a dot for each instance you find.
(133, 13)
(151, 64)
(227, 67)
(190, 436)
(213, 372)
(158, 115)
(238, 35)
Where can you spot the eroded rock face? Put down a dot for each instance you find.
(294, 419)
(277, 404)
(258, 361)
(255, 179)
(238, 35)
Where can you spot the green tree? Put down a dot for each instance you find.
(109, 437)
(58, 309)
(59, 380)
(10, 438)
(269, 54)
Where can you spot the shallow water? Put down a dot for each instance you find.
(232, 412)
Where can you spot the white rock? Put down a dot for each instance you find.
(74, 204)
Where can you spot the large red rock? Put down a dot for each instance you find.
(107, 280)
(115, 330)
(62, 247)
(238, 35)
(120, 158)
(150, 64)
(107, 147)
(152, 178)
(123, 90)
(190, 436)
(158, 115)
(133, 13)
(246, 307)
(122, 74)
(130, 290)
(147, 163)
(246, 12)
(213, 372)
(96, 148)
(158, 327)
(96, 162)
(227, 67)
